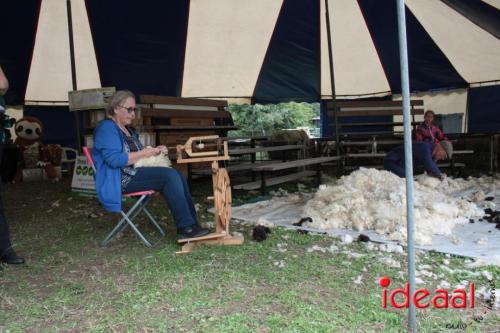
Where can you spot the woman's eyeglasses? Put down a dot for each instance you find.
(129, 110)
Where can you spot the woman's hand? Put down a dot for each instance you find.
(150, 151)
(146, 152)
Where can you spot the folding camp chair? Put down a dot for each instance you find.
(142, 198)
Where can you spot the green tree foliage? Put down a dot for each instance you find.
(261, 120)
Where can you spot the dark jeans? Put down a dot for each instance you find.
(4, 228)
(174, 188)
(394, 166)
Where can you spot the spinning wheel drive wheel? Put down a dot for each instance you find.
(222, 196)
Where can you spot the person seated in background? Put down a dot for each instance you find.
(424, 155)
(117, 148)
(428, 131)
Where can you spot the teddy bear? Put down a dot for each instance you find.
(32, 153)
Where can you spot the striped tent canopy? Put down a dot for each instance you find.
(260, 51)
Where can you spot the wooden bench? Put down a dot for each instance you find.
(252, 151)
(377, 111)
(369, 124)
(232, 168)
(243, 151)
(175, 119)
(265, 169)
(451, 164)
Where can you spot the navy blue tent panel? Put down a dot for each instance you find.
(58, 124)
(428, 66)
(291, 68)
(140, 46)
(484, 109)
(485, 16)
(19, 21)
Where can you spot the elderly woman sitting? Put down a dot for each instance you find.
(428, 131)
(117, 148)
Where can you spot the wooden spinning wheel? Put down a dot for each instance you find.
(222, 198)
(221, 189)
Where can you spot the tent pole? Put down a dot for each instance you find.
(467, 103)
(332, 78)
(73, 70)
(405, 89)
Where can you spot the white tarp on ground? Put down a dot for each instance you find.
(479, 240)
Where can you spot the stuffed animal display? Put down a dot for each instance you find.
(32, 153)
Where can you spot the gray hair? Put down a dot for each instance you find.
(117, 99)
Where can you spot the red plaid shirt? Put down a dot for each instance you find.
(431, 134)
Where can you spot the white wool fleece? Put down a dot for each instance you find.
(154, 161)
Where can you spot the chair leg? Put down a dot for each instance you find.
(132, 225)
(128, 217)
(117, 229)
(127, 220)
(151, 218)
(148, 214)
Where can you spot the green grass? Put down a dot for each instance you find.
(71, 284)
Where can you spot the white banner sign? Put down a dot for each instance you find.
(83, 177)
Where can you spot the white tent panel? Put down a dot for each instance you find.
(474, 53)
(494, 3)
(51, 57)
(226, 45)
(352, 49)
(87, 72)
(442, 102)
(50, 75)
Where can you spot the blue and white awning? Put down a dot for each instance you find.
(247, 51)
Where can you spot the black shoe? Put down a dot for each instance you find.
(192, 231)
(10, 257)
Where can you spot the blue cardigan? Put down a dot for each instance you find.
(109, 158)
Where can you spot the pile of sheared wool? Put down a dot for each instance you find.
(160, 160)
(376, 200)
(476, 189)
